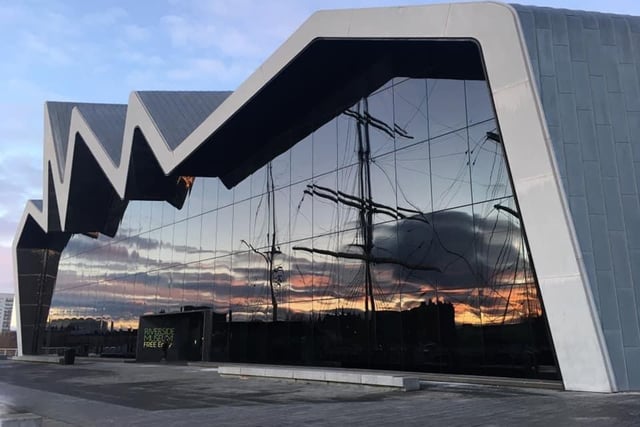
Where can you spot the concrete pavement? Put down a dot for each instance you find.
(115, 393)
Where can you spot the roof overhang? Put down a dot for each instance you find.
(326, 77)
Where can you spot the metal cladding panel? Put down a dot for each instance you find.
(37, 203)
(177, 114)
(107, 122)
(587, 67)
(60, 117)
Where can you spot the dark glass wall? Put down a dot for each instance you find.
(388, 238)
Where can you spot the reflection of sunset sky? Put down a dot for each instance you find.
(441, 186)
(311, 283)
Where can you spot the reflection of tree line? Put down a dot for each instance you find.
(423, 338)
(89, 335)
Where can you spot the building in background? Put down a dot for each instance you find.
(6, 309)
(448, 188)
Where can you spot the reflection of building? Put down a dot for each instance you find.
(443, 96)
(88, 325)
(6, 308)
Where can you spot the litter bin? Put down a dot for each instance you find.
(69, 356)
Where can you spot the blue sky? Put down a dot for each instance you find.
(99, 51)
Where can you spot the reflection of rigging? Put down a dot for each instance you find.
(510, 268)
(519, 263)
(366, 207)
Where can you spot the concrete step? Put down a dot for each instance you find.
(371, 378)
(38, 358)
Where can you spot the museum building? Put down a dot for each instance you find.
(447, 188)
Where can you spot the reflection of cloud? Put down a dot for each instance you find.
(468, 251)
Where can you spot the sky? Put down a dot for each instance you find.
(99, 51)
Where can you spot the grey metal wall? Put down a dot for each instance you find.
(587, 67)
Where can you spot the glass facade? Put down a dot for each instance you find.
(388, 238)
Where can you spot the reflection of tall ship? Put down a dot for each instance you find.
(505, 291)
(366, 207)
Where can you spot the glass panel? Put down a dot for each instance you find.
(281, 280)
(348, 185)
(383, 188)
(224, 236)
(325, 272)
(479, 105)
(410, 104)
(451, 184)
(242, 191)
(166, 248)
(241, 225)
(380, 122)
(301, 279)
(194, 202)
(196, 230)
(413, 180)
(243, 304)
(281, 169)
(301, 211)
(350, 271)
(325, 148)
(155, 217)
(387, 261)
(302, 160)
(221, 280)
(261, 220)
(347, 140)
(488, 167)
(180, 242)
(155, 243)
(130, 222)
(206, 226)
(165, 288)
(225, 195)
(325, 204)
(446, 106)
(283, 209)
(210, 195)
(145, 215)
(259, 182)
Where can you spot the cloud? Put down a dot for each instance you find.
(140, 58)
(104, 18)
(136, 33)
(50, 55)
(20, 182)
(205, 67)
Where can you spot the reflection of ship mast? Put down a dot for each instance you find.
(273, 249)
(366, 206)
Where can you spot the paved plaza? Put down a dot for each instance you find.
(130, 394)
